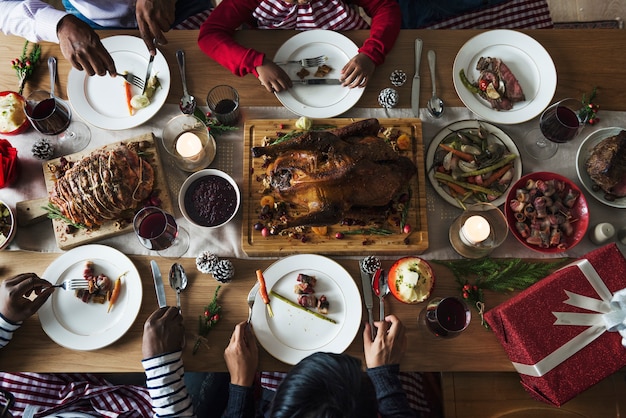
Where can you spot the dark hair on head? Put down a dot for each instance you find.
(325, 385)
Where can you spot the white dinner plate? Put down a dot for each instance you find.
(583, 154)
(495, 132)
(101, 101)
(318, 101)
(293, 334)
(74, 324)
(527, 59)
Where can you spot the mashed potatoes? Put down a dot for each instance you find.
(12, 114)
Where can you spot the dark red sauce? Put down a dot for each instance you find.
(210, 200)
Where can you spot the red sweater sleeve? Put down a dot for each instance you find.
(385, 28)
(216, 37)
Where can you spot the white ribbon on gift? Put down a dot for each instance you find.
(610, 316)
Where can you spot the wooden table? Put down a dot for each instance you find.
(32, 350)
(583, 59)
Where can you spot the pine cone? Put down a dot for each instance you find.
(224, 271)
(370, 264)
(388, 98)
(43, 149)
(206, 262)
(397, 78)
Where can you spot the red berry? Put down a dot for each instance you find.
(339, 235)
(406, 229)
(265, 232)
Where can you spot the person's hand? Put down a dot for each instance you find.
(153, 18)
(163, 332)
(273, 77)
(81, 46)
(357, 71)
(242, 355)
(16, 303)
(389, 344)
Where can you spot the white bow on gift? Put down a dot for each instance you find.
(610, 316)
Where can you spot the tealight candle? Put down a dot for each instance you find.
(602, 233)
(475, 230)
(189, 145)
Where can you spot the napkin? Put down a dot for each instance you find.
(8, 163)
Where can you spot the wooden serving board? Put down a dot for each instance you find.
(31, 210)
(254, 244)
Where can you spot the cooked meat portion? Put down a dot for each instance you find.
(103, 185)
(505, 90)
(607, 165)
(330, 172)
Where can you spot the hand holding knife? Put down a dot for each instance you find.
(368, 266)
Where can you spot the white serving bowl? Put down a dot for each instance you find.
(218, 211)
(6, 239)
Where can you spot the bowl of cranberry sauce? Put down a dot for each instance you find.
(209, 198)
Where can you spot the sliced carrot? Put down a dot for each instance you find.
(263, 292)
(129, 95)
(462, 155)
(458, 189)
(496, 175)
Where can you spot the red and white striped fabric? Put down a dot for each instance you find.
(412, 383)
(319, 14)
(194, 22)
(514, 14)
(88, 393)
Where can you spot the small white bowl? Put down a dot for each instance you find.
(5, 240)
(192, 215)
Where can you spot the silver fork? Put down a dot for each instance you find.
(134, 80)
(73, 284)
(251, 298)
(306, 62)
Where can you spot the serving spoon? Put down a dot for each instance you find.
(187, 103)
(178, 280)
(435, 104)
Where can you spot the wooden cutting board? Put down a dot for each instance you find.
(32, 210)
(254, 244)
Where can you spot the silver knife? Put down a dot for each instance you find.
(415, 89)
(366, 281)
(316, 81)
(145, 81)
(158, 284)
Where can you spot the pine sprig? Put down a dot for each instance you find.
(496, 275)
(215, 127)
(207, 320)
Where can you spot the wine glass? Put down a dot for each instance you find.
(53, 117)
(157, 230)
(446, 317)
(559, 123)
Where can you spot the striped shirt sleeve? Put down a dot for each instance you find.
(7, 329)
(164, 379)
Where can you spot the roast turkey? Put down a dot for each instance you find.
(103, 185)
(328, 173)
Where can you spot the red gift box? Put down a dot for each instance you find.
(560, 333)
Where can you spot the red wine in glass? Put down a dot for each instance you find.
(49, 116)
(156, 229)
(447, 317)
(559, 124)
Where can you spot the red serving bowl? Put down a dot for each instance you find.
(579, 214)
(25, 123)
(415, 271)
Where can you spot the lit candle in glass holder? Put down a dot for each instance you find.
(189, 146)
(478, 231)
(475, 230)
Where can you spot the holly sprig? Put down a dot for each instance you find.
(215, 127)
(590, 109)
(497, 275)
(25, 64)
(207, 320)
